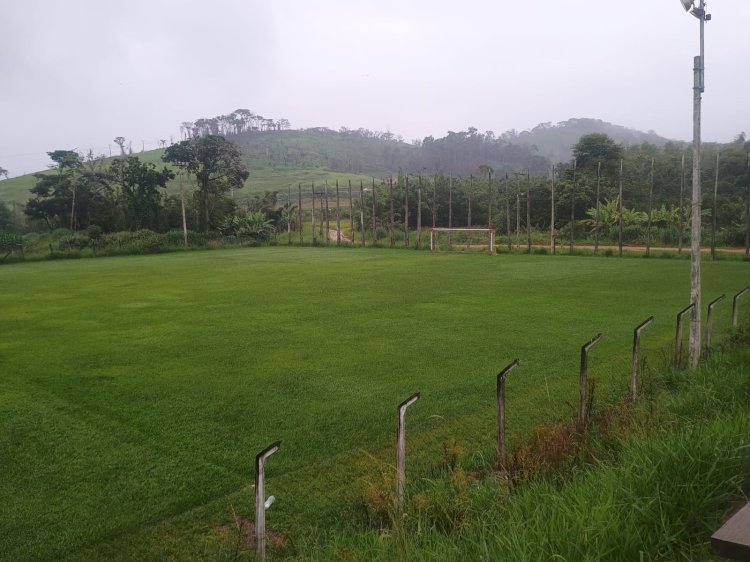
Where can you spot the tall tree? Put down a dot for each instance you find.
(140, 185)
(594, 148)
(3, 172)
(217, 167)
(120, 141)
(75, 196)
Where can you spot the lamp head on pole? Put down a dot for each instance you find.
(697, 11)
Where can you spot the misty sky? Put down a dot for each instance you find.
(76, 74)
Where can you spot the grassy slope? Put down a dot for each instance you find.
(276, 160)
(659, 481)
(137, 390)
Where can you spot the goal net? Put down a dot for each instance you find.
(467, 239)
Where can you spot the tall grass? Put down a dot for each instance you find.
(654, 487)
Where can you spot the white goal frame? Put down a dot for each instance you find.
(489, 231)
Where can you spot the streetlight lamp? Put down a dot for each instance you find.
(699, 12)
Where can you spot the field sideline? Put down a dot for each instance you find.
(136, 391)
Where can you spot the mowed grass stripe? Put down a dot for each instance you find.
(146, 384)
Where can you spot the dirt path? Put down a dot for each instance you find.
(333, 235)
(685, 249)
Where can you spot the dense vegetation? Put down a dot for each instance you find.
(265, 174)
(130, 434)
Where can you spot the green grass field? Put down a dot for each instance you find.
(136, 391)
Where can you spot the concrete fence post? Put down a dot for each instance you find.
(401, 448)
(735, 302)
(261, 503)
(501, 376)
(678, 335)
(583, 378)
(710, 321)
(637, 357)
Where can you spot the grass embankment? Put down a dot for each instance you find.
(136, 391)
(650, 482)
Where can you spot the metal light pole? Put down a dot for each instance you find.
(695, 254)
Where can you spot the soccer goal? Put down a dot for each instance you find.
(469, 238)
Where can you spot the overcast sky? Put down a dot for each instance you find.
(78, 73)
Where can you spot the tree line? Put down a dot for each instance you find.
(237, 122)
(129, 194)
(605, 192)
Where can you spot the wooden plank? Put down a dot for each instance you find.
(732, 540)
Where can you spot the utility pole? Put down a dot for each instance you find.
(695, 242)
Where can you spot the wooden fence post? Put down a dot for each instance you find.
(500, 446)
(338, 215)
(328, 215)
(299, 215)
(261, 504)
(583, 378)
(573, 205)
(406, 212)
(678, 335)
(710, 321)
(552, 216)
(401, 448)
(351, 213)
(637, 357)
(419, 214)
(361, 214)
(374, 229)
(312, 212)
(390, 221)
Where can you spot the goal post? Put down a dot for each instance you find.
(489, 232)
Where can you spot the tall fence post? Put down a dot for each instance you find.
(735, 302)
(501, 376)
(583, 378)
(678, 335)
(637, 357)
(401, 448)
(710, 321)
(261, 504)
(299, 215)
(312, 213)
(338, 215)
(361, 214)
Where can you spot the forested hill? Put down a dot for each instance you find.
(459, 153)
(370, 153)
(280, 157)
(556, 141)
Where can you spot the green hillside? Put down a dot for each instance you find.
(266, 173)
(281, 159)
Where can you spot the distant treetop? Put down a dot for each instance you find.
(236, 123)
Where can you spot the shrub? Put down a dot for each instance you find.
(251, 226)
(75, 241)
(138, 242)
